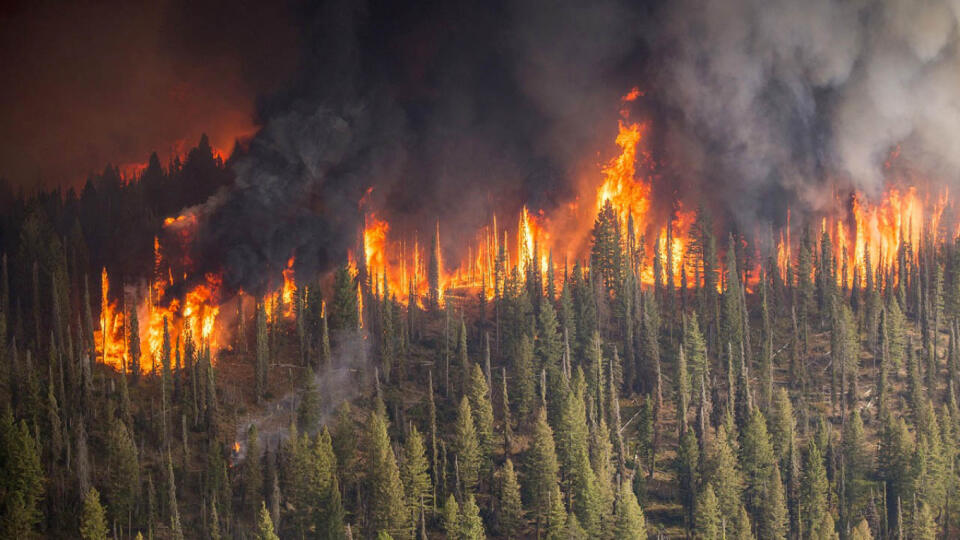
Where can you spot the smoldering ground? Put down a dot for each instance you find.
(347, 377)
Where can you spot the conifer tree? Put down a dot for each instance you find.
(782, 424)
(688, 474)
(682, 391)
(123, 470)
(463, 358)
(708, 523)
(93, 517)
(23, 477)
(54, 425)
(606, 251)
(573, 447)
(924, 524)
(325, 354)
(507, 418)
(176, 528)
(601, 454)
(413, 473)
(856, 466)
(861, 531)
(524, 386)
(542, 469)
(432, 415)
(773, 521)
(511, 516)
(265, 524)
(451, 517)
(757, 459)
(252, 473)
(467, 447)
(732, 330)
(725, 476)
(695, 350)
(896, 456)
(482, 407)
(470, 526)
(557, 519)
(385, 506)
(630, 521)
(814, 496)
(343, 309)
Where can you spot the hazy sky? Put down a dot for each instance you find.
(89, 83)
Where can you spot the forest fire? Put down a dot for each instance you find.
(864, 235)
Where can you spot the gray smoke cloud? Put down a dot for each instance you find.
(781, 97)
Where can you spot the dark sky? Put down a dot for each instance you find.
(89, 83)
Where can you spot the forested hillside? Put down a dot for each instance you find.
(750, 396)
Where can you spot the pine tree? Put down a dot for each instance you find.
(542, 469)
(861, 531)
(511, 518)
(549, 348)
(252, 474)
(683, 390)
(23, 479)
(343, 309)
(732, 322)
(451, 517)
(696, 353)
(470, 526)
(856, 465)
(467, 447)
(601, 454)
(773, 521)
(708, 524)
(782, 424)
(432, 415)
(757, 460)
(482, 407)
(176, 529)
(265, 524)
(725, 476)
(606, 251)
(924, 524)
(123, 470)
(524, 390)
(630, 522)
(93, 517)
(556, 518)
(385, 506)
(896, 457)
(463, 359)
(413, 473)
(813, 495)
(573, 450)
(687, 474)
(325, 354)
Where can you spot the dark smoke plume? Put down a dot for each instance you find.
(450, 111)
